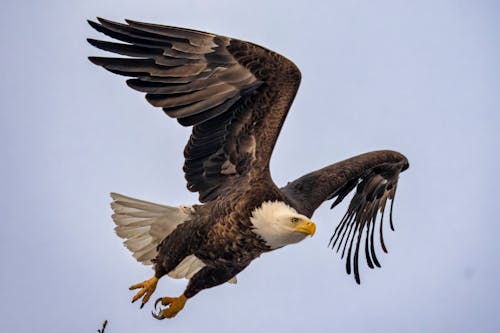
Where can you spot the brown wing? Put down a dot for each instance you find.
(375, 177)
(235, 95)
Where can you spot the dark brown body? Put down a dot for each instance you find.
(220, 235)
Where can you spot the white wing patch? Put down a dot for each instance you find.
(144, 224)
(187, 268)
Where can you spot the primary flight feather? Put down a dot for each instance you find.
(236, 96)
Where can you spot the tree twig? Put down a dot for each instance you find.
(103, 327)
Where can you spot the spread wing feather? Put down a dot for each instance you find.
(235, 95)
(373, 190)
(374, 176)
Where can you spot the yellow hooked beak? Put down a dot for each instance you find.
(306, 226)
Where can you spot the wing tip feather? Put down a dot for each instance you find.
(94, 25)
(368, 200)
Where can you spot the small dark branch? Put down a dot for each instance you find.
(103, 327)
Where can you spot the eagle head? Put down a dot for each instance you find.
(278, 224)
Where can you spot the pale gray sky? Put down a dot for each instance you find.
(420, 77)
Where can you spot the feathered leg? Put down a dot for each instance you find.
(206, 278)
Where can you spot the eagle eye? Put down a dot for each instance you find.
(295, 219)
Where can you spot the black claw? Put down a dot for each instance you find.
(142, 305)
(157, 316)
(156, 303)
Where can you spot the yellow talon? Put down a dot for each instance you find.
(175, 305)
(147, 289)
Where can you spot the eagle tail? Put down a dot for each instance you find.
(144, 224)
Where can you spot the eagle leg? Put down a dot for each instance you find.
(147, 289)
(175, 305)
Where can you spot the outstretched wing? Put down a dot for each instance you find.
(235, 95)
(375, 177)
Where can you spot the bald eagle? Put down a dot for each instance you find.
(235, 95)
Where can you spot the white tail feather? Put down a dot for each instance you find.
(144, 224)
